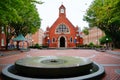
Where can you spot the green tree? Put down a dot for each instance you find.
(30, 22)
(105, 15)
(20, 16)
(8, 14)
(105, 39)
(86, 32)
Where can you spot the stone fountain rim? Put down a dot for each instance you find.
(99, 72)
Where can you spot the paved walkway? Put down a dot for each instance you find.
(111, 62)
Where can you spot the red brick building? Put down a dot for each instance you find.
(2, 38)
(62, 33)
(32, 39)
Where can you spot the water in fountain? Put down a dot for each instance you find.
(53, 67)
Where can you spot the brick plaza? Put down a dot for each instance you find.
(110, 61)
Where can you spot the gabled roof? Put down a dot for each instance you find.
(20, 37)
(62, 20)
(62, 6)
(59, 21)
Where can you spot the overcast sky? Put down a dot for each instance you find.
(75, 9)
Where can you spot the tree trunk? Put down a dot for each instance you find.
(7, 41)
(116, 44)
(18, 45)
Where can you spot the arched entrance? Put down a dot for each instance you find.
(62, 42)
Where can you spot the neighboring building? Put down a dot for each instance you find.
(94, 35)
(2, 38)
(41, 35)
(62, 33)
(36, 38)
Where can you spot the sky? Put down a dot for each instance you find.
(75, 10)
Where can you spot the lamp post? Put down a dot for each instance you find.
(97, 42)
(97, 36)
(106, 43)
(76, 41)
(48, 41)
(32, 42)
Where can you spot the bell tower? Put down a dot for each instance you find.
(62, 11)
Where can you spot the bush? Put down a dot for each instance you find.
(44, 46)
(91, 45)
(36, 46)
(80, 45)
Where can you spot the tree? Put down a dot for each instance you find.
(20, 16)
(105, 39)
(8, 14)
(105, 15)
(30, 22)
(86, 32)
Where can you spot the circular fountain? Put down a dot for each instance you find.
(52, 67)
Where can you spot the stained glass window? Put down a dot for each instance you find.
(62, 29)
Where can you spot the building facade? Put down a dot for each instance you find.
(94, 35)
(2, 38)
(32, 39)
(62, 33)
(36, 38)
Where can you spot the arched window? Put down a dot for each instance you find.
(71, 40)
(53, 40)
(62, 29)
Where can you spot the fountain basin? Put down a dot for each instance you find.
(53, 66)
(50, 68)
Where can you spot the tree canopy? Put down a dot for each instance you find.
(105, 39)
(86, 30)
(20, 16)
(105, 14)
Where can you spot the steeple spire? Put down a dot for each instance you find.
(62, 11)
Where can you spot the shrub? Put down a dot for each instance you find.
(44, 46)
(91, 44)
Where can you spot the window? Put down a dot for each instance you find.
(2, 29)
(71, 40)
(62, 29)
(53, 40)
(62, 10)
(2, 42)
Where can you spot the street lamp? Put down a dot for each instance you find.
(32, 42)
(76, 41)
(97, 42)
(107, 43)
(48, 41)
(106, 38)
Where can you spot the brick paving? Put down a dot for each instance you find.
(111, 62)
